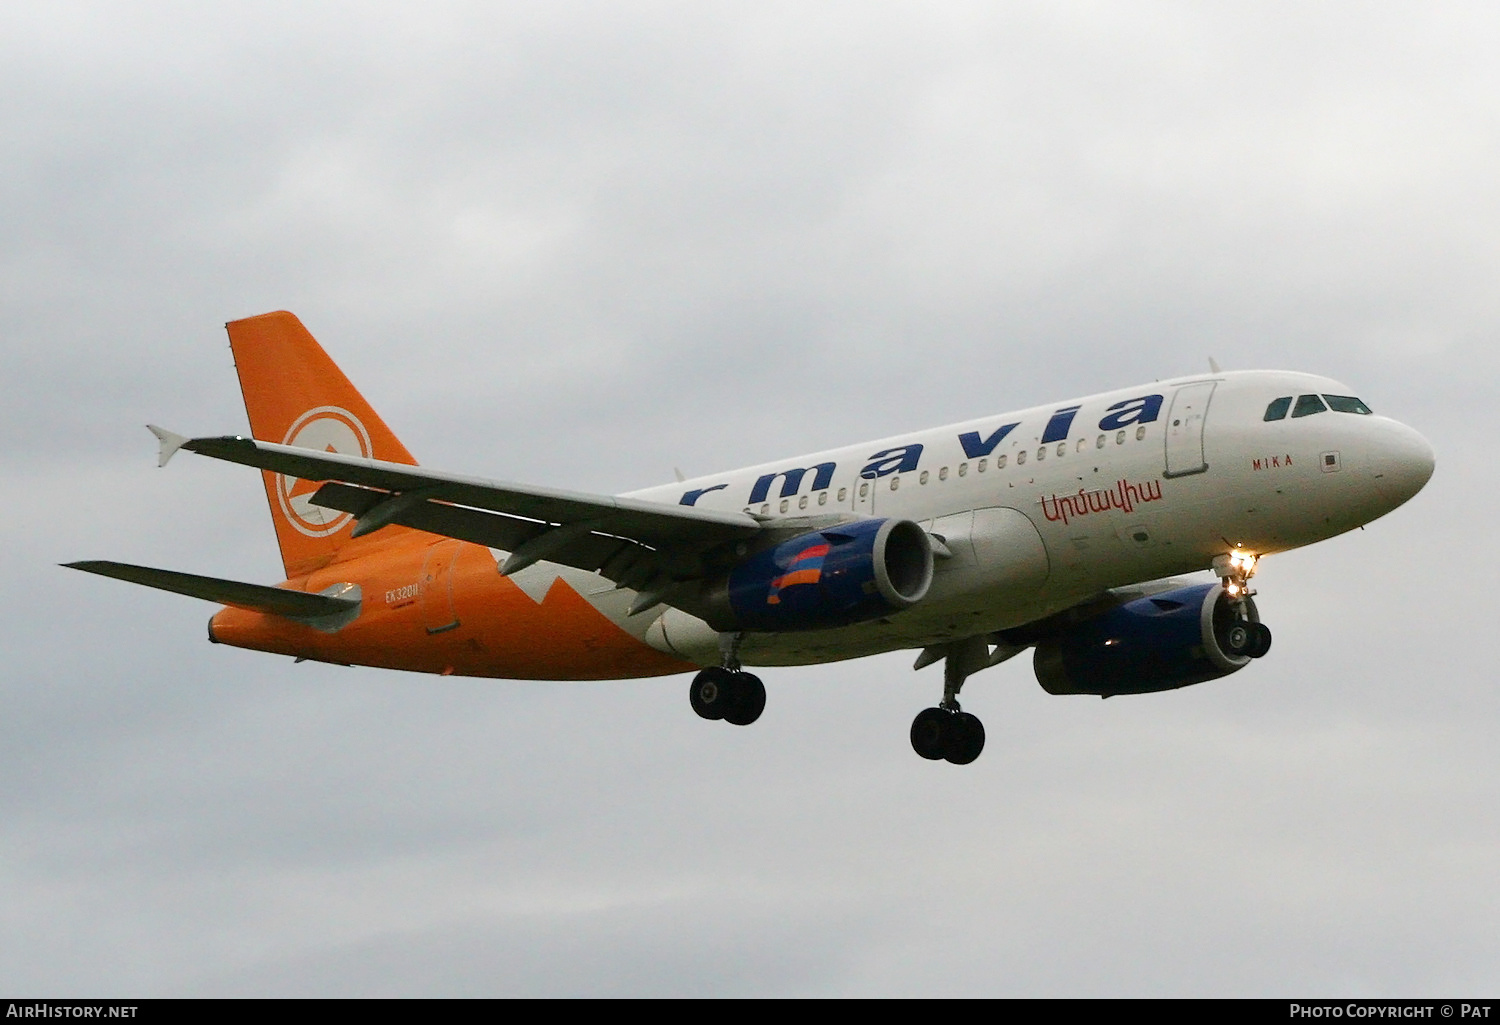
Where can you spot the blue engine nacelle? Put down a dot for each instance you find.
(832, 577)
(1163, 642)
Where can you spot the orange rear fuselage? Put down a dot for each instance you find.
(441, 606)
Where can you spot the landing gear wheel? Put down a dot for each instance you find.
(929, 733)
(747, 699)
(938, 734)
(965, 738)
(1260, 643)
(712, 692)
(1239, 638)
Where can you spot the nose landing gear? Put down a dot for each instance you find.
(1234, 569)
(1251, 639)
(1243, 637)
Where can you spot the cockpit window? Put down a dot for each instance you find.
(1278, 407)
(1307, 405)
(1347, 404)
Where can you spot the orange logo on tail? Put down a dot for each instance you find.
(326, 429)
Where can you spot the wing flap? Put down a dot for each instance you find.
(278, 601)
(589, 551)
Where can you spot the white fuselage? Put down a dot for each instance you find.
(1043, 508)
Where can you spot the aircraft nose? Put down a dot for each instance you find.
(1402, 463)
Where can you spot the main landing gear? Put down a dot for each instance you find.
(735, 696)
(728, 692)
(1246, 635)
(947, 732)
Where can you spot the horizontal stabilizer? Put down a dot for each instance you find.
(277, 601)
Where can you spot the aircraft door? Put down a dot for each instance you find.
(436, 593)
(863, 496)
(1185, 429)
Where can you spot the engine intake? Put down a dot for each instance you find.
(1162, 642)
(834, 577)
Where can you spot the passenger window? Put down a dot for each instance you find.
(999, 463)
(923, 478)
(895, 483)
(1083, 443)
(1140, 433)
(963, 469)
(1278, 407)
(1100, 442)
(822, 498)
(1120, 438)
(802, 502)
(1307, 405)
(1041, 453)
(1347, 404)
(943, 473)
(1020, 457)
(864, 489)
(784, 504)
(1062, 448)
(765, 510)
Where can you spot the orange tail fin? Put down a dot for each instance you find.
(296, 395)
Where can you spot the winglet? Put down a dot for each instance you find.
(170, 443)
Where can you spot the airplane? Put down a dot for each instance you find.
(1063, 528)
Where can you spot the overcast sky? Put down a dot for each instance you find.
(581, 244)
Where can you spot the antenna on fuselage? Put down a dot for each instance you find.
(1213, 365)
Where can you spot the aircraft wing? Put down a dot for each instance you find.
(644, 545)
(653, 523)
